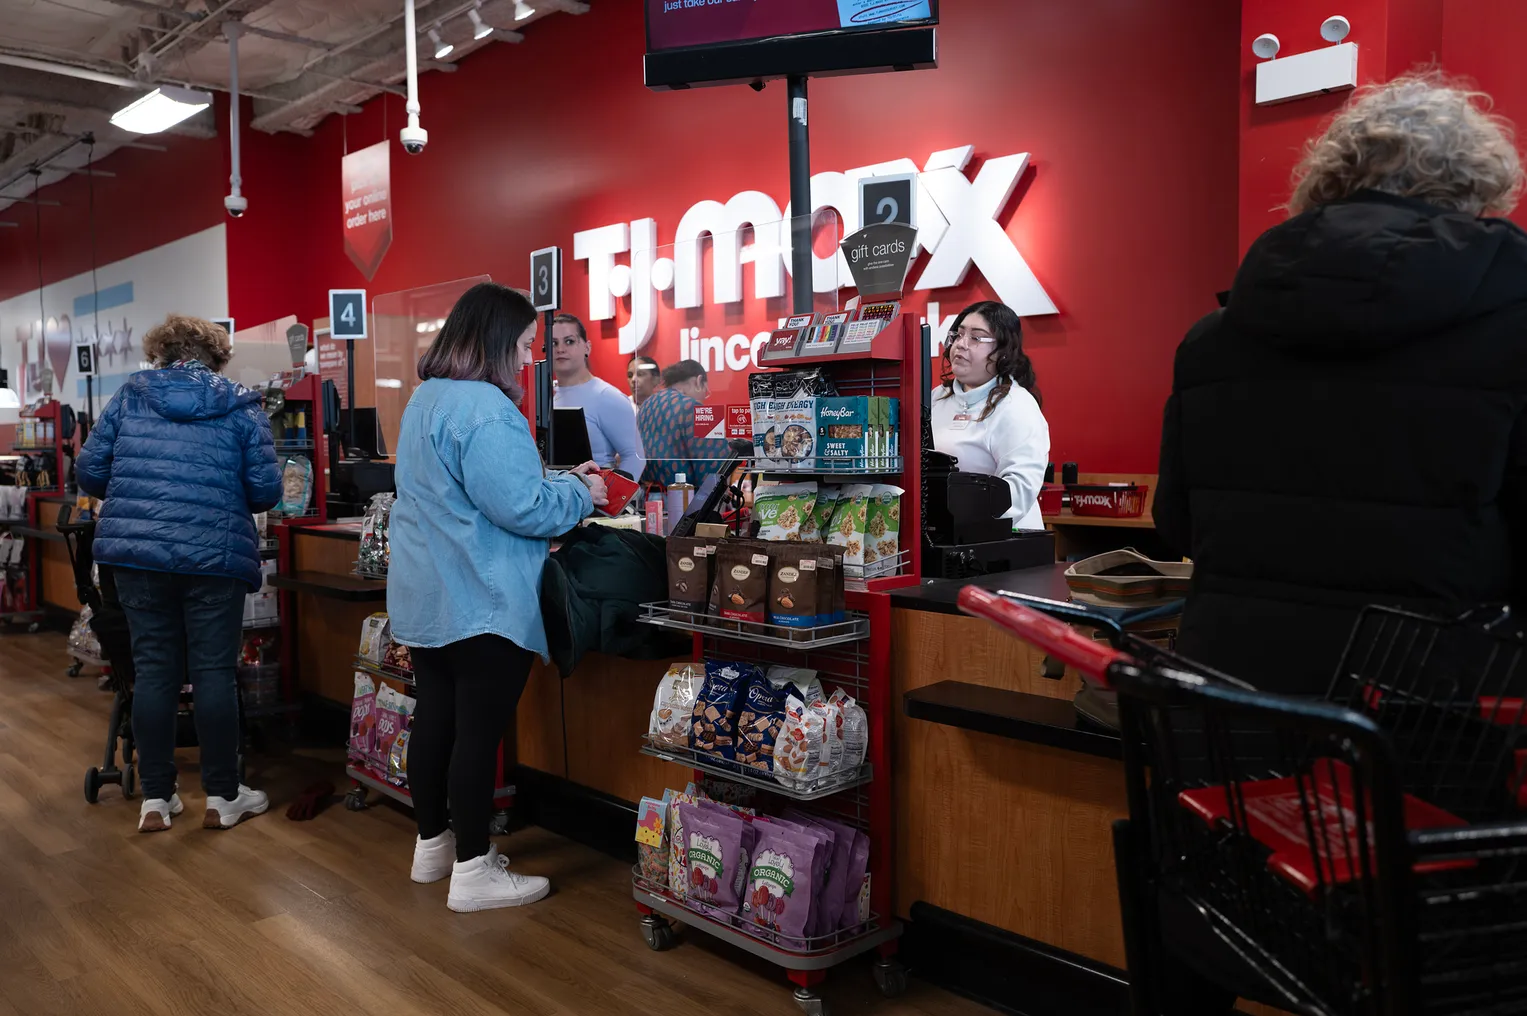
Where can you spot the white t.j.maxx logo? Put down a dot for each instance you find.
(957, 224)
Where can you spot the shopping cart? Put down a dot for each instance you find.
(1366, 854)
(109, 623)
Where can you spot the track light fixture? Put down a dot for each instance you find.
(442, 49)
(480, 28)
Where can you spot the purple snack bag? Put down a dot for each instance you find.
(834, 892)
(821, 860)
(718, 847)
(858, 864)
(777, 898)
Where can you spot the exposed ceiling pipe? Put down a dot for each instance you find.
(40, 164)
(69, 70)
(413, 137)
(235, 202)
(146, 5)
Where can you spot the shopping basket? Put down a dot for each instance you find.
(1360, 855)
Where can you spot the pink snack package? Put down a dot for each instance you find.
(777, 899)
(363, 718)
(718, 851)
(834, 892)
(393, 710)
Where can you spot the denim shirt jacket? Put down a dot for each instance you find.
(474, 515)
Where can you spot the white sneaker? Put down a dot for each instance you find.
(486, 883)
(223, 813)
(154, 815)
(435, 857)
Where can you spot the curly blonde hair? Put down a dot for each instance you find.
(187, 338)
(1418, 136)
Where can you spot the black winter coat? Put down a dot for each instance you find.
(1350, 429)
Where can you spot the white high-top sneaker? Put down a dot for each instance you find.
(223, 813)
(486, 883)
(435, 857)
(154, 815)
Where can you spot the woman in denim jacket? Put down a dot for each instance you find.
(470, 530)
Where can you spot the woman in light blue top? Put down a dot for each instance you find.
(475, 511)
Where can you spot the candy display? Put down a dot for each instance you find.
(375, 552)
(296, 486)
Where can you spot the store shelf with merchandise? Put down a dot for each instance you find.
(850, 657)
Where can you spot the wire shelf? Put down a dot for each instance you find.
(857, 576)
(306, 513)
(259, 624)
(816, 953)
(384, 670)
(370, 573)
(735, 772)
(294, 446)
(862, 465)
(855, 629)
(32, 448)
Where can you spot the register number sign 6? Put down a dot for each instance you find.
(676, 23)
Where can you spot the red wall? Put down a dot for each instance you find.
(1128, 215)
(1127, 218)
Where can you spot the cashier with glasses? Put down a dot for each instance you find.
(986, 413)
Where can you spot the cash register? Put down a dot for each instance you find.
(964, 532)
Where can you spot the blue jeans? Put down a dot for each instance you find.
(186, 629)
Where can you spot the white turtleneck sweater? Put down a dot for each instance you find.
(1013, 442)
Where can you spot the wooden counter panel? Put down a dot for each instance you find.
(54, 570)
(608, 702)
(328, 630)
(1014, 834)
(538, 722)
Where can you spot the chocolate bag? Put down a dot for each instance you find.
(689, 573)
(758, 724)
(793, 586)
(742, 581)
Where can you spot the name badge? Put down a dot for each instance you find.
(960, 421)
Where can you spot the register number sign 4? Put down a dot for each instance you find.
(672, 24)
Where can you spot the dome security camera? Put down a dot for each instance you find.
(1266, 45)
(1335, 28)
(414, 139)
(236, 204)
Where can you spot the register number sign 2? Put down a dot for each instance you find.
(676, 23)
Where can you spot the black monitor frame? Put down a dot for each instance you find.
(821, 54)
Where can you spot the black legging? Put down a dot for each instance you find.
(467, 692)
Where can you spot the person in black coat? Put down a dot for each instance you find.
(1351, 428)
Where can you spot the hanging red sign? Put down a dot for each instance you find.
(366, 182)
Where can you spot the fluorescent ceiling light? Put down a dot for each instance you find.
(161, 109)
(480, 28)
(522, 10)
(442, 49)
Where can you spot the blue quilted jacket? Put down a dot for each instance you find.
(182, 457)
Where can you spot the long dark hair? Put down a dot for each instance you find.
(477, 342)
(1009, 362)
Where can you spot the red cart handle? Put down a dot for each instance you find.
(1056, 638)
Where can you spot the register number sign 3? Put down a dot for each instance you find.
(676, 23)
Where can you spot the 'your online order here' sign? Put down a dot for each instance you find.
(366, 182)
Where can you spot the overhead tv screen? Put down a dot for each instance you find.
(682, 24)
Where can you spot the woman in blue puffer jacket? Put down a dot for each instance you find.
(184, 458)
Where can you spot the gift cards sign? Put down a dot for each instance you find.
(878, 256)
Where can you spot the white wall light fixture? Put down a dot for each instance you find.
(160, 109)
(480, 28)
(1317, 72)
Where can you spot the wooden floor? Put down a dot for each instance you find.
(310, 918)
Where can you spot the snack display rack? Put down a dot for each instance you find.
(854, 655)
(48, 411)
(366, 779)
